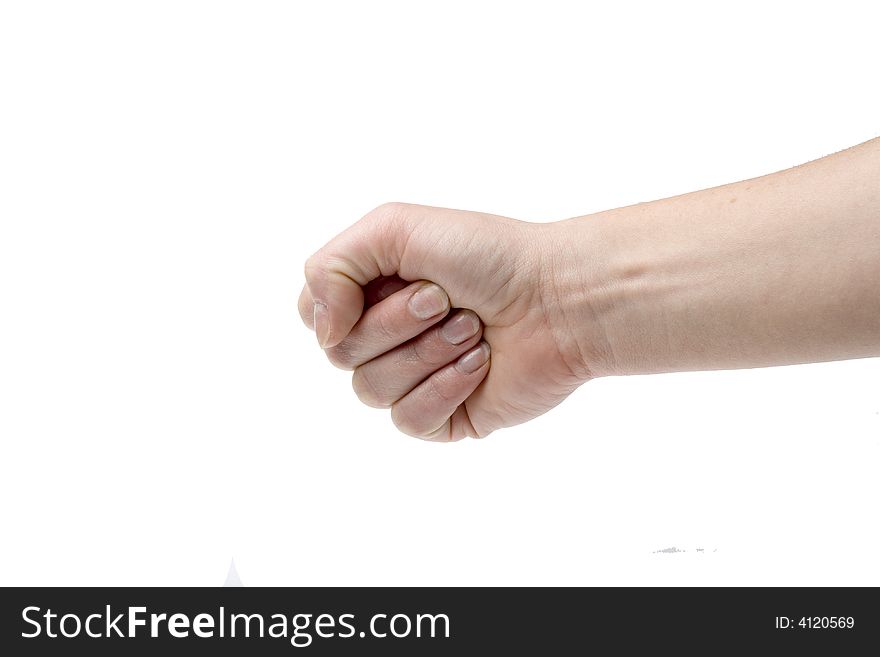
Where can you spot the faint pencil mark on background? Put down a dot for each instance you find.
(678, 550)
(232, 578)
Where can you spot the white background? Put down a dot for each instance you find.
(166, 168)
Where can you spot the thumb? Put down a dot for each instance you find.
(336, 274)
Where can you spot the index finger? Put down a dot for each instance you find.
(374, 292)
(391, 322)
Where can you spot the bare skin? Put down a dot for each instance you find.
(775, 270)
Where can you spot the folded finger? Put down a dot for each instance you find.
(374, 292)
(426, 412)
(391, 322)
(382, 381)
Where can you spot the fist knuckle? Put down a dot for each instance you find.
(437, 391)
(389, 221)
(367, 391)
(390, 210)
(430, 351)
(405, 422)
(418, 352)
(314, 266)
(386, 329)
(341, 356)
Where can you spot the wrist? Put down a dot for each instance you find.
(616, 275)
(580, 295)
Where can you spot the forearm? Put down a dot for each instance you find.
(776, 270)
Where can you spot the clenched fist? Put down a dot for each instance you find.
(475, 342)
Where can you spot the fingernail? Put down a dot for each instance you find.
(428, 302)
(474, 359)
(322, 323)
(461, 327)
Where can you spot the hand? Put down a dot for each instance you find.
(501, 270)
